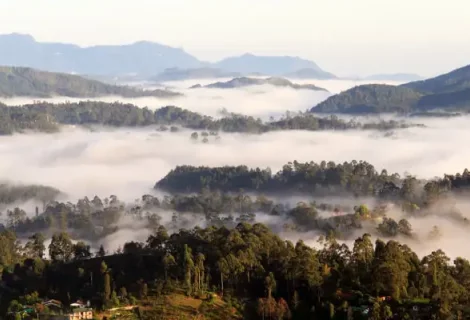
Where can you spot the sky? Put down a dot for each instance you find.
(345, 37)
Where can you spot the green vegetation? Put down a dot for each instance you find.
(11, 193)
(47, 117)
(258, 274)
(374, 98)
(236, 268)
(27, 82)
(450, 92)
(246, 82)
(456, 80)
(355, 177)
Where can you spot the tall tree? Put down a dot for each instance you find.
(61, 247)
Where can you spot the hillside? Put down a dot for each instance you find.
(144, 58)
(176, 74)
(246, 82)
(372, 98)
(453, 81)
(449, 92)
(451, 101)
(19, 81)
(269, 65)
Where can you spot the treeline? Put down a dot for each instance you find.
(12, 193)
(360, 178)
(264, 276)
(357, 178)
(96, 219)
(47, 117)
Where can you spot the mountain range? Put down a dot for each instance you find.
(142, 59)
(448, 92)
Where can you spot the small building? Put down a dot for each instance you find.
(78, 304)
(81, 313)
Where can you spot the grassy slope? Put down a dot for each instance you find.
(175, 306)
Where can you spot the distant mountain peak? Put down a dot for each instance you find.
(145, 58)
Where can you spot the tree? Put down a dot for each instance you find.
(61, 247)
(81, 251)
(106, 288)
(376, 314)
(188, 268)
(35, 246)
(101, 253)
(199, 272)
(404, 227)
(295, 300)
(143, 289)
(157, 241)
(386, 312)
(270, 284)
(282, 310)
(168, 262)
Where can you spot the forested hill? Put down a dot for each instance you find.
(453, 81)
(357, 178)
(354, 177)
(374, 98)
(46, 117)
(27, 82)
(450, 92)
(247, 82)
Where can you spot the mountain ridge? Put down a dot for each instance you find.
(29, 82)
(144, 58)
(449, 91)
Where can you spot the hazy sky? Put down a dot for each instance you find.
(343, 36)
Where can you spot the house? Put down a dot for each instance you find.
(52, 303)
(78, 304)
(81, 313)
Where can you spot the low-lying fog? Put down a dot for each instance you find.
(127, 162)
(257, 101)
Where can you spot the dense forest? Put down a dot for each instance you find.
(27, 82)
(370, 98)
(450, 92)
(247, 264)
(260, 275)
(47, 117)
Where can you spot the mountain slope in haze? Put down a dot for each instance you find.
(371, 98)
(18, 81)
(246, 82)
(310, 73)
(269, 65)
(449, 92)
(176, 74)
(453, 81)
(394, 77)
(144, 58)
